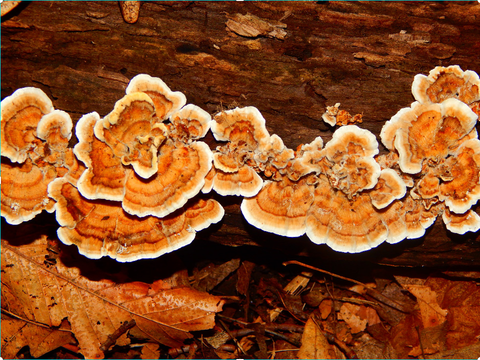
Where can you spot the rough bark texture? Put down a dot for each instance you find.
(302, 57)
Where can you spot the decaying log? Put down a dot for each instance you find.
(290, 60)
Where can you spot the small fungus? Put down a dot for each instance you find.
(334, 116)
(461, 223)
(390, 187)
(247, 136)
(447, 82)
(166, 101)
(132, 132)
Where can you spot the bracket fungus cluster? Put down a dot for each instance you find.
(126, 189)
(129, 189)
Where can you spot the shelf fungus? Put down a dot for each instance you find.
(280, 207)
(334, 116)
(337, 195)
(438, 145)
(447, 82)
(102, 228)
(35, 140)
(234, 163)
(180, 168)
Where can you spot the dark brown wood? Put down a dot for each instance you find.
(361, 54)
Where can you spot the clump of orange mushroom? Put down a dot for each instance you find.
(447, 82)
(102, 228)
(34, 137)
(333, 194)
(234, 165)
(437, 142)
(132, 196)
(133, 157)
(334, 116)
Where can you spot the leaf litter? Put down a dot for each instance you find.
(231, 304)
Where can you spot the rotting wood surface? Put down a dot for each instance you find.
(291, 61)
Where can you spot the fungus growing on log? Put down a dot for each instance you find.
(438, 144)
(447, 82)
(428, 132)
(21, 113)
(245, 131)
(280, 207)
(34, 139)
(180, 175)
(167, 166)
(102, 228)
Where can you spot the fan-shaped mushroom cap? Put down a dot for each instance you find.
(344, 225)
(244, 182)
(389, 187)
(56, 129)
(191, 122)
(351, 140)
(21, 113)
(307, 160)
(280, 207)
(181, 172)
(101, 228)
(275, 153)
(351, 151)
(463, 190)
(461, 223)
(241, 126)
(427, 131)
(131, 131)
(24, 190)
(447, 82)
(166, 101)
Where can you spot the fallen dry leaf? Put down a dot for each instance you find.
(95, 309)
(210, 276)
(348, 313)
(314, 343)
(431, 312)
(18, 333)
(150, 351)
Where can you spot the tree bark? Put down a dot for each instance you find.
(291, 61)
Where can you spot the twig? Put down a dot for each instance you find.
(420, 341)
(233, 338)
(117, 333)
(372, 292)
(174, 352)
